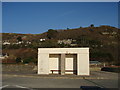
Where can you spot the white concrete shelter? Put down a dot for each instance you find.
(63, 61)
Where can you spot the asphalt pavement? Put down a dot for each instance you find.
(32, 81)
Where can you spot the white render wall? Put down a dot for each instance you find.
(82, 59)
(69, 63)
(54, 61)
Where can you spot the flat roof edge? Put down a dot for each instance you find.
(65, 48)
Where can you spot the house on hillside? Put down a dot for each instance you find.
(28, 42)
(65, 41)
(114, 33)
(70, 42)
(3, 56)
(6, 43)
(105, 33)
(20, 42)
(109, 33)
(42, 39)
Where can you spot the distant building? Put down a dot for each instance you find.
(6, 43)
(28, 42)
(109, 33)
(65, 41)
(42, 40)
(20, 42)
(3, 56)
(73, 44)
(95, 63)
(114, 33)
(105, 33)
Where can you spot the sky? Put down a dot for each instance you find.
(38, 17)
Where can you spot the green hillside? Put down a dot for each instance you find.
(102, 41)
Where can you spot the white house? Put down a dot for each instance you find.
(42, 40)
(6, 43)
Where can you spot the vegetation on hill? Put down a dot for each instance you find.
(102, 41)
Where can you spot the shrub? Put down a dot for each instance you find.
(27, 60)
(18, 60)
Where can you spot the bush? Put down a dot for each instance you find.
(30, 60)
(18, 60)
(51, 34)
(27, 60)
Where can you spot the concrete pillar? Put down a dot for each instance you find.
(62, 63)
(43, 63)
(83, 64)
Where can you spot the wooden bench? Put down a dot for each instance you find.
(65, 71)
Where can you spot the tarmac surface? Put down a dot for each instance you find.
(33, 81)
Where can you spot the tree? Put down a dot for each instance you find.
(51, 33)
(19, 38)
(61, 45)
(82, 40)
(94, 42)
(67, 28)
(102, 56)
(18, 60)
(27, 60)
(91, 30)
(92, 25)
(49, 44)
(80, 27)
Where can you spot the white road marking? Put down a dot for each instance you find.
(18, 86)
(3, 86)
(22, 87)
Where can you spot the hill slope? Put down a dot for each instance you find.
(103, 41)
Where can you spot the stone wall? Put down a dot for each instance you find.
(19, 67)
